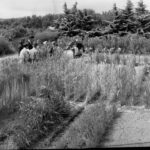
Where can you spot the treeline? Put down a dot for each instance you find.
(30, 22)
(73, 18)
(48, 20)
(119, 21)
(26, 26)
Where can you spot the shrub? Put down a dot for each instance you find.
(36, 118)
(47, 36)
(18, 32)
(5, 47)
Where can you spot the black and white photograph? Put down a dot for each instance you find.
(74, 74)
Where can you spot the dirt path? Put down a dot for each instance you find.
(131, 129)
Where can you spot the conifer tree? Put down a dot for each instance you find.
(75, 19)
(129, 8)
(141, 9)
(66, 10)
(115, 9)
(74, 8)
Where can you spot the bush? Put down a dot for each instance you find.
(37, 117)
(5, 47)
(47, 36)
(18, 32)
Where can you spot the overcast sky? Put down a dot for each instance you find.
(20, 8)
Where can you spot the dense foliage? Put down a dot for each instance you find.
(47, 36)
(76, 19)
(5, 47)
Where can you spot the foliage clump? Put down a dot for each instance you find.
(47, 36)
(5, 48)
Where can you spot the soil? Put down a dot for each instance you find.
(131, 129)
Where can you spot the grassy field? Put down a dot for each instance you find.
(45, 94)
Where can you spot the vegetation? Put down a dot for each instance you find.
(36, 118)
(5, 48)
(47, 36)
(18, 32)
(76, 19)
(141, 9)
(87, 130)
(43, 95)
(57, 81)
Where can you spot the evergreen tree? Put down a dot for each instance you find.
(141, 9)
(66, 10)
(115, 9)
(129, 8)
(74, 8)
(75, 19)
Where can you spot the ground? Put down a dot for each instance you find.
(130, 129)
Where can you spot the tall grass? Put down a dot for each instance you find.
(112, 82)
(14, 84)
(60, 80)
(43, 108)
(78, 79)
(131, 44)
(87, 130)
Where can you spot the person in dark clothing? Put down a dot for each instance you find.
(25, 44)
(77, 54)
(29, 44)
(54, 45)
(79, 45)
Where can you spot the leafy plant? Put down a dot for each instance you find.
(5, 48)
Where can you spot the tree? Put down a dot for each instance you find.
(107, 15)
(141, 9)
(74, 19)
(66, 11)
(36, 22)
(125, 20)
(115, 9)
(129, 8)
(74, 8)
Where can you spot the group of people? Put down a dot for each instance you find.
(28, 44)
(75, 46)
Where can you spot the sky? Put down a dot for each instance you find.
(21, 8)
